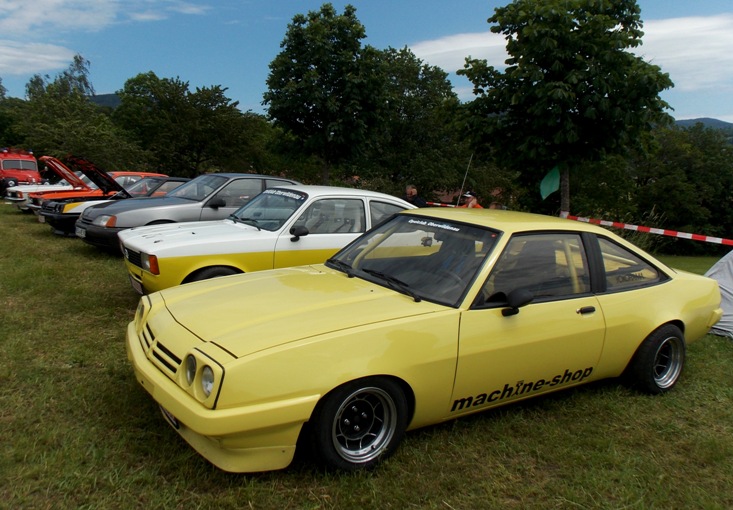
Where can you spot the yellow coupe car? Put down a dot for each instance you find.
(433, 315)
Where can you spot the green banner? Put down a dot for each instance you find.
(550, 183)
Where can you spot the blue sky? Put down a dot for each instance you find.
(231, 42)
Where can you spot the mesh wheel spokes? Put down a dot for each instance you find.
(364, 425)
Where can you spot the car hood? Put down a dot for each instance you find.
(154, 238)
(248, 313)
(37, 188)
(63, 172)
(131, 204)
(102, 179)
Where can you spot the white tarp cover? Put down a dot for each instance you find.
(722, 272)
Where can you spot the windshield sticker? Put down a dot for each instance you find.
(442, 226)
(285, 193)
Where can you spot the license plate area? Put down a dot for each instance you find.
(170, 418)
(136, 285)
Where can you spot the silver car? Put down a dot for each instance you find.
(207, 197)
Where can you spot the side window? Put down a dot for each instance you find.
(334, 216)
(166, 187)
(127, 180)
(624, 270)
(240, 191)
(548, 265)
(379, 211)
(271, 183)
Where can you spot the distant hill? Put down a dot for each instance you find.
(109, 100)
(705, 121)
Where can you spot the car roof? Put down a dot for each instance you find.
(144, 174)
(315, 190)
(239, 174)
(506, 221)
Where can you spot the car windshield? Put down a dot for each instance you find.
(142, 187)
(199, 188)
(19, 164)
(429, 259)
(270, 209)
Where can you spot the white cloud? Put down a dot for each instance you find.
(20, 59)
(188, 8)
(697, 52)
(449, 53)
(37, 18)
(26, 25)
(147, 16)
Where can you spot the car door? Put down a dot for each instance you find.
(554, 341)
(332, 223)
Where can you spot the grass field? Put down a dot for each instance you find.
(76, 431)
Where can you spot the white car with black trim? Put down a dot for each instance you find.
(282, 227)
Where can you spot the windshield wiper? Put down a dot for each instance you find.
(341, 266)
(247, 221)
(395, 283)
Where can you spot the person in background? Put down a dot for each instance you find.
(412, 196)
(469, 199)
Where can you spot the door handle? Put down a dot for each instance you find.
(585, 309)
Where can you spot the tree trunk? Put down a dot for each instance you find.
(564, 190)
(326, 173)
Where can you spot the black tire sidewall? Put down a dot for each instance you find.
(640, 373)
(321, 445)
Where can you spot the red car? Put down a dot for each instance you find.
(106, 184)
(17, 167)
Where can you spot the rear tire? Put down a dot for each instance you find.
(658, 362)
(358, 425)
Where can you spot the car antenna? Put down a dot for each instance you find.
(458, 200)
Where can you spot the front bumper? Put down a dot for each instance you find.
(63, 224)
(245, 439)
(101, 237)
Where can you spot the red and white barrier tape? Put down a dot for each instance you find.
(629, 226)
(650, 230)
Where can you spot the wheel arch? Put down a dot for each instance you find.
(404, 386)
(193, 275)
(160, 222)
(674, 322)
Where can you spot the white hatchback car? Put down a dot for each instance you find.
(282, 227)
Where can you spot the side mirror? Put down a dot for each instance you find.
(215, 203)
(517, 299)
(298, 232)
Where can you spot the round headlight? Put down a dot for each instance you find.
(207, 380)
(190, 369)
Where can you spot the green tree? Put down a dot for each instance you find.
(323, 87)
(571, 91)
(688, 179)
(186, 132)
(58, 119)
(418, 137)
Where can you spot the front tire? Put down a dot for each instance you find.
(658, 363)
(359, 424)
